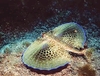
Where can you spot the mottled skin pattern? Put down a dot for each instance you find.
(64, 45)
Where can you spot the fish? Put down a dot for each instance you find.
(51, 51)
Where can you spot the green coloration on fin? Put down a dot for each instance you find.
(71, 33)
(44, 55)
(49, 51)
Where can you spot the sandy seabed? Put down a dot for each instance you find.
(11, 65)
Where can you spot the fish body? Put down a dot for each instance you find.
(51, 51)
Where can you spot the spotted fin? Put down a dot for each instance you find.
(71, 33)
(44, 55)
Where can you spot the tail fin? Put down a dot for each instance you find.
(88, 53)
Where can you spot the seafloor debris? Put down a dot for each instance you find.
(86, 70)
(52, 50)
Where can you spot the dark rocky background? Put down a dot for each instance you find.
(23, 15)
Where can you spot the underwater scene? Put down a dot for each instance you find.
(49, 38)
